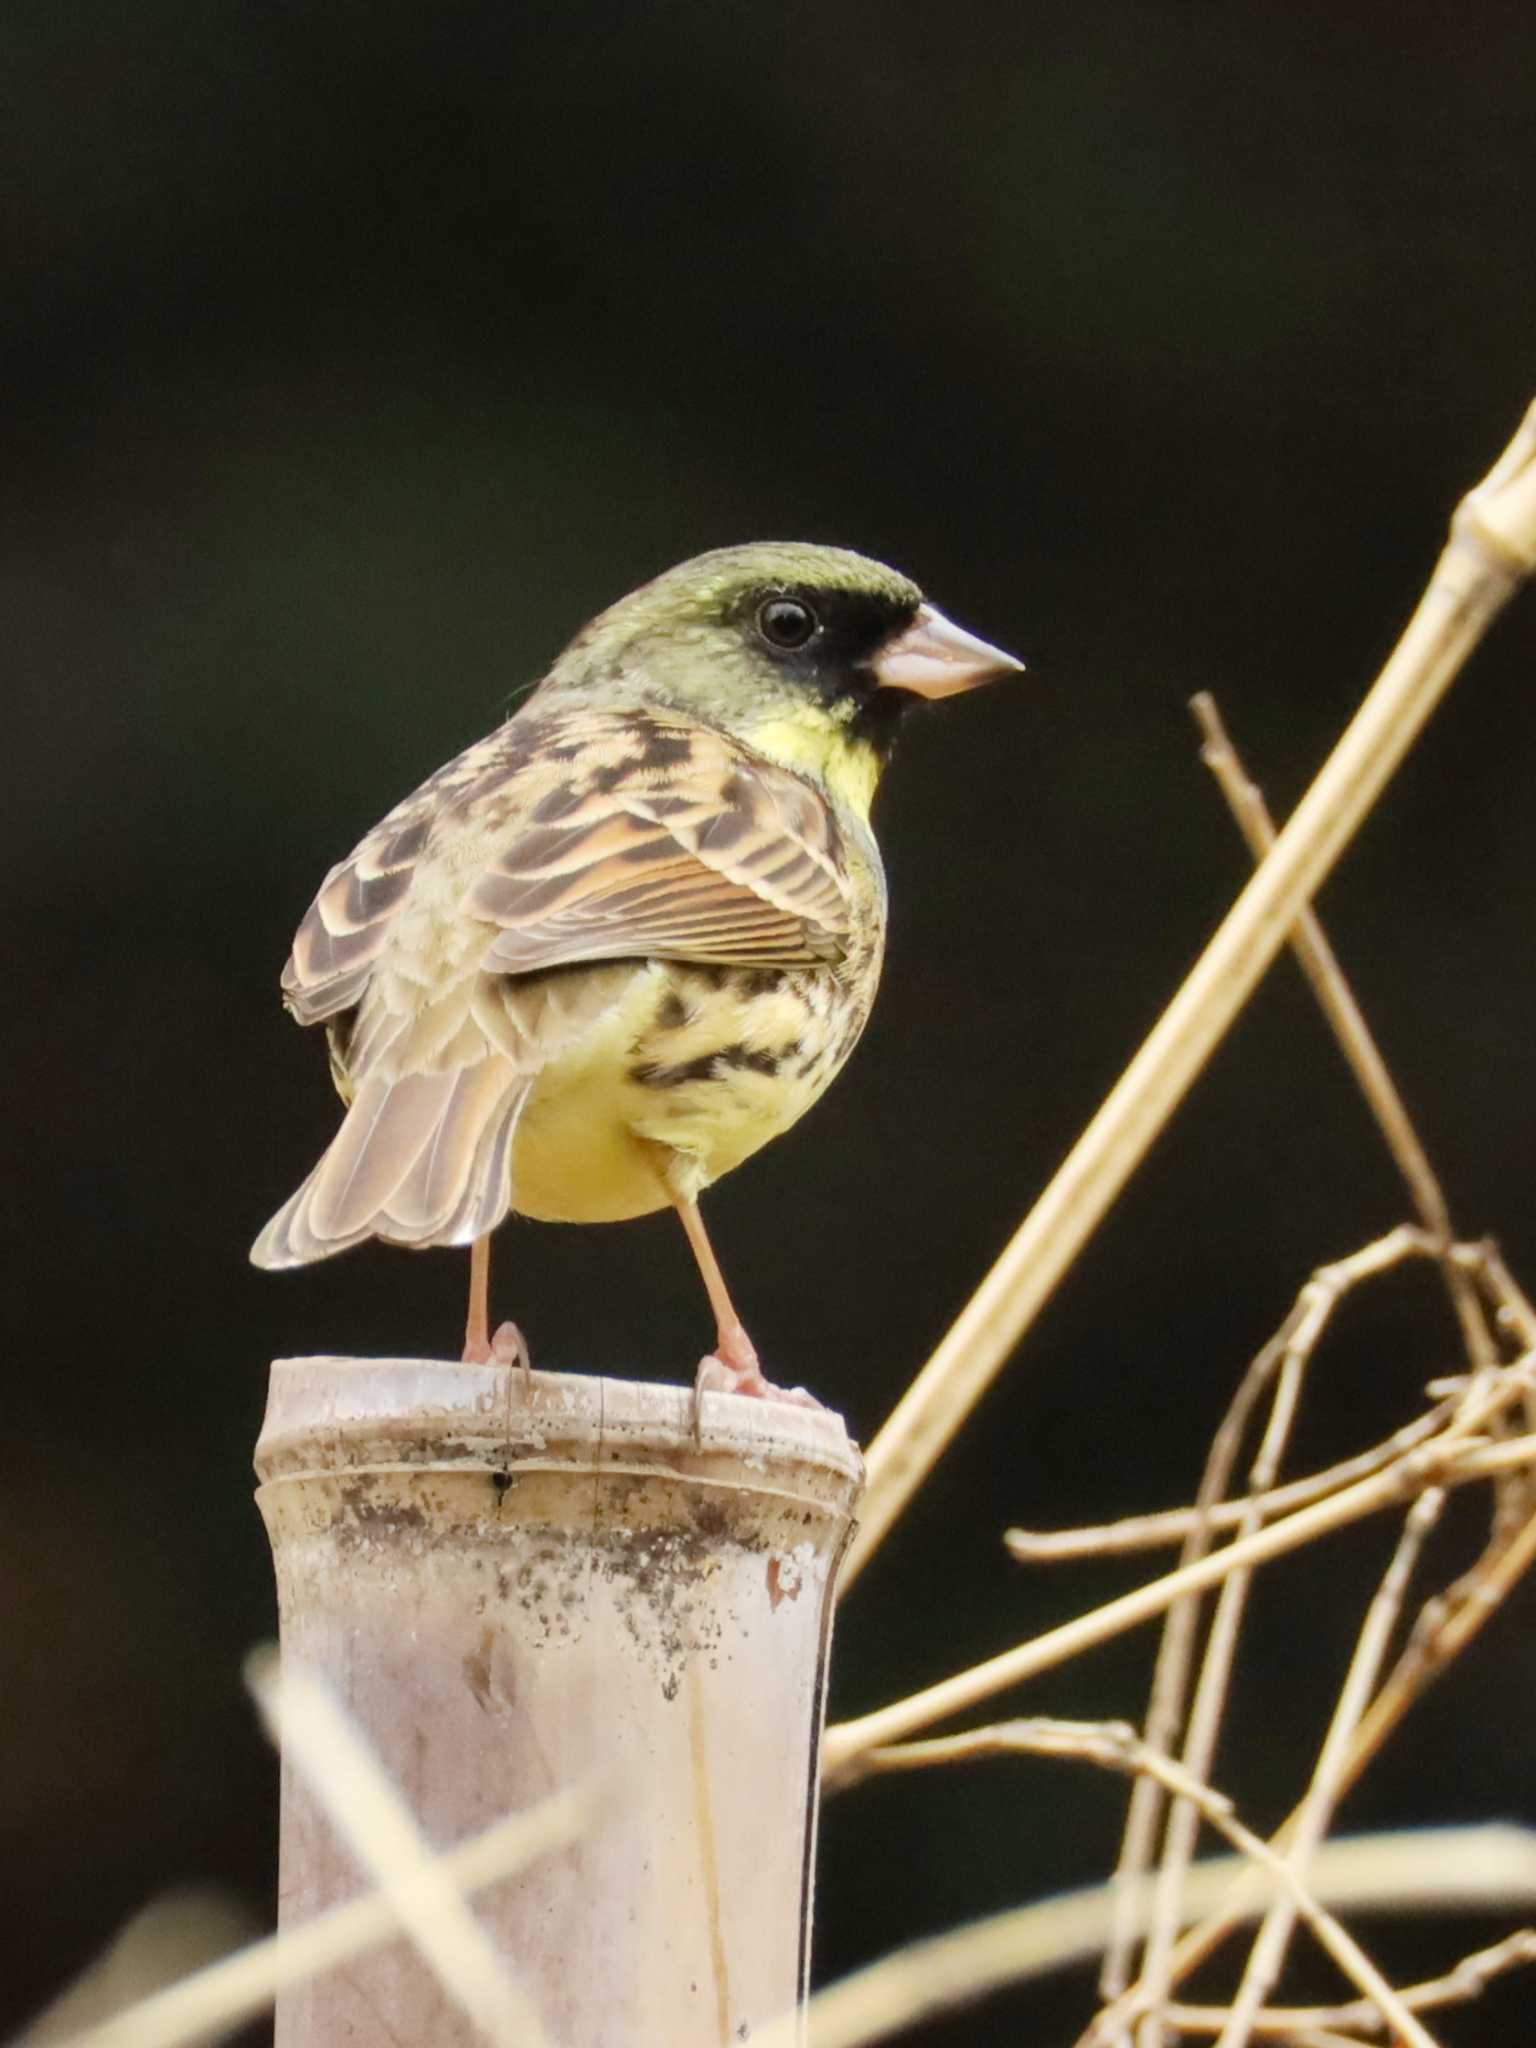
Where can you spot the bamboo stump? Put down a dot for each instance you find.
(514, 1590)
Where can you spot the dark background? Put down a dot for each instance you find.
(349, 359)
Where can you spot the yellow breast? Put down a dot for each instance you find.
(689, 1073)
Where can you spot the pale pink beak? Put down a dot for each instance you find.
(936, 658)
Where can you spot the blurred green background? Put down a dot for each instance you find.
(351, 358)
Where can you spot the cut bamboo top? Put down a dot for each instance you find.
(329, 1414)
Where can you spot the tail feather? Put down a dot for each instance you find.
(434, 1187)
(488, 1191)
(385, 1131)
(421, 1160)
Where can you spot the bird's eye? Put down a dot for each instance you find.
(786, 623)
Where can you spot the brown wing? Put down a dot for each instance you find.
(602, 836)
(667, 841)
(347, 926)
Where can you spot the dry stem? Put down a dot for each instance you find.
(1383, 1098)
(1445, 1626)
(1317, 1808)
(1461, 1440)
(847, 1741)
(237, 1987)
(1481, 1263)
(1452, 1458)
(1170, 1672)
(1465, 1981)
(1475, 1869)
(1416, 1671)
(1115, 1745)
(1173, 1525)
(1492, 548)
(1295, 1343)
(1356, 1040)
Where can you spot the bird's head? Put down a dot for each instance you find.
(811, 655)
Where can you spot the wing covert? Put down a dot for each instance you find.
(674, 843)
(601, 835)
(347, 926)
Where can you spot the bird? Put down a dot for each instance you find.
(611, 950)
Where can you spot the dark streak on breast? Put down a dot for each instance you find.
(709, 1066)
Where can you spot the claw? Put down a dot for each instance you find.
(510, 1347)
(717, 1375)
(507, 1347)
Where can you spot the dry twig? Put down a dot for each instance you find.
(1170, 1672)
(1173, 1525)
(1492, 548)
(1472, 1869)
(244, 1984)
(174, 1937)
(1465, 1981)
(1115, 1745)
(1445, 1460)
(1293, 1347)
(1317, 1808)
(1356, 1040)
(1456, 1443)
(1439, 1636)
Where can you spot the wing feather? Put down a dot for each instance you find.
(606, 835)
(347, 928)
(718, 857)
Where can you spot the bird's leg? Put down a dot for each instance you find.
(477, 1328)
(734, 1356)
(506, 1347)
(732, 1367)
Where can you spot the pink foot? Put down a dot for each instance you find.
(510, 1347)
(507, 1347)
(717, 1375)
(733, 1368)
